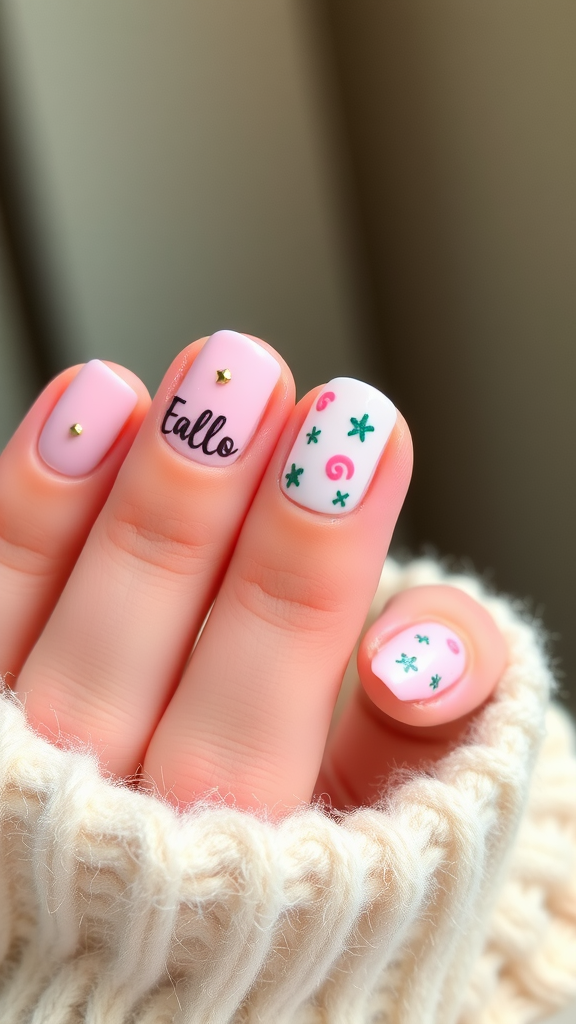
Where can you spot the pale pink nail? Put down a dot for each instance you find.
(221, 400)
(86, 421)
(421, 661)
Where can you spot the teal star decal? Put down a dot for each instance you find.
(292, 476)
(407, 662)
(360, 427)
(340, 499)
(313, 436)
(422, 639)
(435, 681)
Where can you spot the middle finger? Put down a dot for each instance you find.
(117, 641)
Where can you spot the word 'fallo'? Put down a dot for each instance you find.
(188, 431)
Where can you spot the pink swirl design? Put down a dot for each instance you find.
(323, 401)
(453, 646)
(337, 464)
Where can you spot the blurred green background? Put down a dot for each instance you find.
(383, 188)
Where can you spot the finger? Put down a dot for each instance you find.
(114, 649)
(251, 714)
(53, 483)
(426, 666)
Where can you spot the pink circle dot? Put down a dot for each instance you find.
(338, 465)
(453, 646)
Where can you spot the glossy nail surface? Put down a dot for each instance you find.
(86, 420)
(339, 446)
(420, 661)
(221, 400)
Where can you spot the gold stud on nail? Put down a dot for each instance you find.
(223, 376)
(76, 429)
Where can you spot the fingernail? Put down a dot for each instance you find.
(421, 661)
(221, 400)
(86, 420)
(339, 446)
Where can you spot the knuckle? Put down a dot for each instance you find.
(224, 774)
(25, 547)
(308, 600)
(160, 540)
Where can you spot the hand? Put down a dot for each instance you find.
(123, 523)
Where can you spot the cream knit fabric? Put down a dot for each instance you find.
(453, 901)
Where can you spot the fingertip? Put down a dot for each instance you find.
(284, 390)
(133, 381)
(433, 656)
(398, 459)
(286, 379)
(404, 444)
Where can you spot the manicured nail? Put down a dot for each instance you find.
(221, 400)
(339, 446)
(86, 420)
(421, 661)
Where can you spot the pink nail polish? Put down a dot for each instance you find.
(221, 400)
(86, 421)
(421, 661)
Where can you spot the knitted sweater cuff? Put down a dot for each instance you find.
(453, 899)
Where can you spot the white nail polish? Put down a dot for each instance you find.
(339, 446)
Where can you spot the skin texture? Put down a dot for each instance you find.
(106, 581)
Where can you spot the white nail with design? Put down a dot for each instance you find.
(421, 661)
(339, 446)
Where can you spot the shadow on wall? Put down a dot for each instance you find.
(379, 189)
(461, 120)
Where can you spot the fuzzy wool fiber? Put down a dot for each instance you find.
(452, 901)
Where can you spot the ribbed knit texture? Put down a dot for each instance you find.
(452, 901)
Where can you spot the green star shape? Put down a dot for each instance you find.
(407, 662)
(292, 476)
(340, 499)
(422, 639)
(360, 427)
(435, 681)
(313, 435)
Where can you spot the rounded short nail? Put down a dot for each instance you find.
(434, 655)
(420, 661)
(86, 420)
(221, 400)
(338, 447)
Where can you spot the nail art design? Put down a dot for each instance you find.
(420, 661)
(324, 400)
(86, 420)
(221, 400)
(341, 439)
